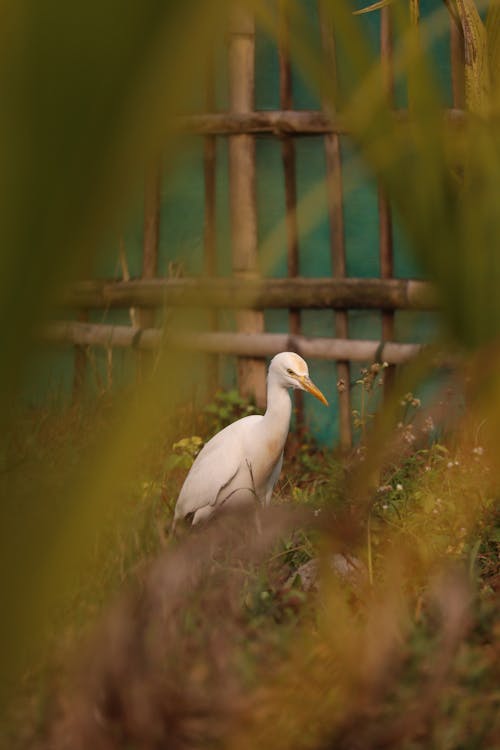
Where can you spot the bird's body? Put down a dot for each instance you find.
(242, 462)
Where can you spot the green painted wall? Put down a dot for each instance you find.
(182, 229)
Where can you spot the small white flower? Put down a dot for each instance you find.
(478, 450)
(384, 488)
(428, 424)
(385, 506)
(450, 465)
(427, 468)
(399, 487)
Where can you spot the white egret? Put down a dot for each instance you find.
(243, 461)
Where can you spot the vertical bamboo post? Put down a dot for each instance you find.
(337, 234)
(209, 229)
(150, 246)
(386, 247)
(242, 180)
(289, 170)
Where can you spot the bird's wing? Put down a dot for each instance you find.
(273, 479)
(214, 469)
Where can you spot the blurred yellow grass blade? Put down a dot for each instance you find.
(374, 6)
(477, 74)
(493, 39)
(89, 92)
(86, 100)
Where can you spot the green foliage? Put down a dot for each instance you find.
(184, 451)
(227, 407)
(414, 507)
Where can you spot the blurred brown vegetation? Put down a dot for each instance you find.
(89, 93)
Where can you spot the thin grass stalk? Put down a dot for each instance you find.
(125, 271)
(369, 548)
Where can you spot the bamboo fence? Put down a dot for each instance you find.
(245, 291)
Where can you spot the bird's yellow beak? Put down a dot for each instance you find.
(309, 386)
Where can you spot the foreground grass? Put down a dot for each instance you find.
(432, 508)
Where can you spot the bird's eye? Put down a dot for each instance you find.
(290, 372)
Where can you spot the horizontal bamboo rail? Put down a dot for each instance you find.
(239, 344)
(257, 294)
(283, 122)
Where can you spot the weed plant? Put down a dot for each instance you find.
(414, 508)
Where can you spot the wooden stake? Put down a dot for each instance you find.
(289, 169)
(386, 246)
(242, 179)
(337, 236)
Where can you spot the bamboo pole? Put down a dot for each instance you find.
(337, 236)
(258, 294)
(289, 170)
(209, 230)
(386, 245)
(239, 344)
(288, 122)
(242, 180)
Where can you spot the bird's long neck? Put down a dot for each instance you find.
(279, 410)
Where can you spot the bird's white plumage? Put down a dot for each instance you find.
(242, 462)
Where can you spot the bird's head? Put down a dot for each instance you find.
(291, 371)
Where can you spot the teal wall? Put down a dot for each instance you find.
(182, 227)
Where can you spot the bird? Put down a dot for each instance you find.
(242, 462)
